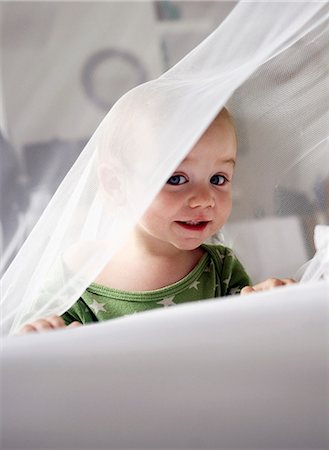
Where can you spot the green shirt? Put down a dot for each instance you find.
(217, 274)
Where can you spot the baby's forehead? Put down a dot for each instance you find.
(220, 158)
(218, 147)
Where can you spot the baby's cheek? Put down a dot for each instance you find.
(153, 216)
(168, 201)
(224, 207)
(225, 200)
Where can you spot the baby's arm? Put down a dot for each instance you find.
(47, 324)
(267, 284)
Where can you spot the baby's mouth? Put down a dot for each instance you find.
(193, 224)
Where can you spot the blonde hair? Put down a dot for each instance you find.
(224, 112)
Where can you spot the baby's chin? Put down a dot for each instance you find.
(191, 244)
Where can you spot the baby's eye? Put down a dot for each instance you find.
(176, 180)
(219, 180)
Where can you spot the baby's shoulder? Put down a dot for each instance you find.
(218, 251)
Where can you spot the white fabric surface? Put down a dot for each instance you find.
(248, 372)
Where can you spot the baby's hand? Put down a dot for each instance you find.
(265, 285)
(47, 324)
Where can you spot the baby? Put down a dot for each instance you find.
(165, 261)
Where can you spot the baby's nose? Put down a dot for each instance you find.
(202, 198)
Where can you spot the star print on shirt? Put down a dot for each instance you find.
(167, 301)
(235, 290)
(96, 306)
(220, 256)
(194, 285)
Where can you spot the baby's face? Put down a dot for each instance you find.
(196, 200)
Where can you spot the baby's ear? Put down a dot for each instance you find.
(108, 178)
(112, 186)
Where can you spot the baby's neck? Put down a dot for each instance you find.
(140, 268)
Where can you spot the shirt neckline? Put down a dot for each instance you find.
(153, 294)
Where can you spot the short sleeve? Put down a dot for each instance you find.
(233, 276)
(79, 312)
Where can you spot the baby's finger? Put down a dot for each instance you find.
(42, 325)
(247, 290)
(270, 283)
(28, 328)
(289, 281)
(55, 321)
(74, 325)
